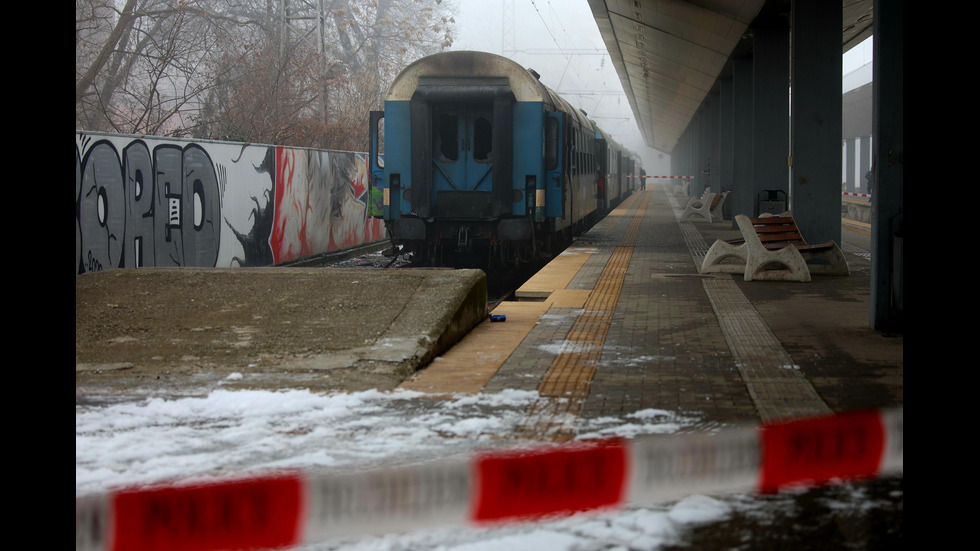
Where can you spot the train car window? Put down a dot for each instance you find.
(482, 139)
(574, 154)
(551, 143)
(588, 153)
(447, 137)
(582, 155)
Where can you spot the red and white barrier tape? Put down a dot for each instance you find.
(491, 487)
(855, 194)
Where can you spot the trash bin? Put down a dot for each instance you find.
(770, 201)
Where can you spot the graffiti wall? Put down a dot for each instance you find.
(165, 202)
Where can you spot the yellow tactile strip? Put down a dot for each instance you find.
(468, 365)
(566, 384)
(573, 369)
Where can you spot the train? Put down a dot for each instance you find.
(475, 162)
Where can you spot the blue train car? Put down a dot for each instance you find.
(482, 164)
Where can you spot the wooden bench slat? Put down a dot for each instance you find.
(770, 227)
(781, 236)
(775, 231)
(780, 244)
(773, 220)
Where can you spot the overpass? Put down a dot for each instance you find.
(709, 82)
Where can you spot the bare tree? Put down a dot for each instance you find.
(340, 70)
(370, 44)
(137, 67)
(266, 95)
(100, 31)
(231, 69)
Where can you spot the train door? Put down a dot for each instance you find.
(462, 149)
(554, 163)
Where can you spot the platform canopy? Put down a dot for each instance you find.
(670, 53)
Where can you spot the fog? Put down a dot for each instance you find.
(560, 40)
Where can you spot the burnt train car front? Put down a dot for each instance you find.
(463, 175)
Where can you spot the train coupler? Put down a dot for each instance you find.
(463, 238)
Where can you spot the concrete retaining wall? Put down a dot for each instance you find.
(857, 210)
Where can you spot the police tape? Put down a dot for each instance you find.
(285, 509)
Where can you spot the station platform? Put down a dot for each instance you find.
(622, 321)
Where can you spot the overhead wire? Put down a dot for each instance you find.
(568, 59)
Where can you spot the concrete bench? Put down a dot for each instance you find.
(772, 248)
(680, 187)
(709, 209)
(705, 195)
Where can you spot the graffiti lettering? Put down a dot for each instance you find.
(93, 263)
(143, 202)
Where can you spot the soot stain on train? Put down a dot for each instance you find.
(474, 162)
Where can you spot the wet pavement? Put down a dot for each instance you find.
(865, 515)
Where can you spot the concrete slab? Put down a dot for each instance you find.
(187, 331)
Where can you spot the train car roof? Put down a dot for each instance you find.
(468, 64)
(469, 68)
